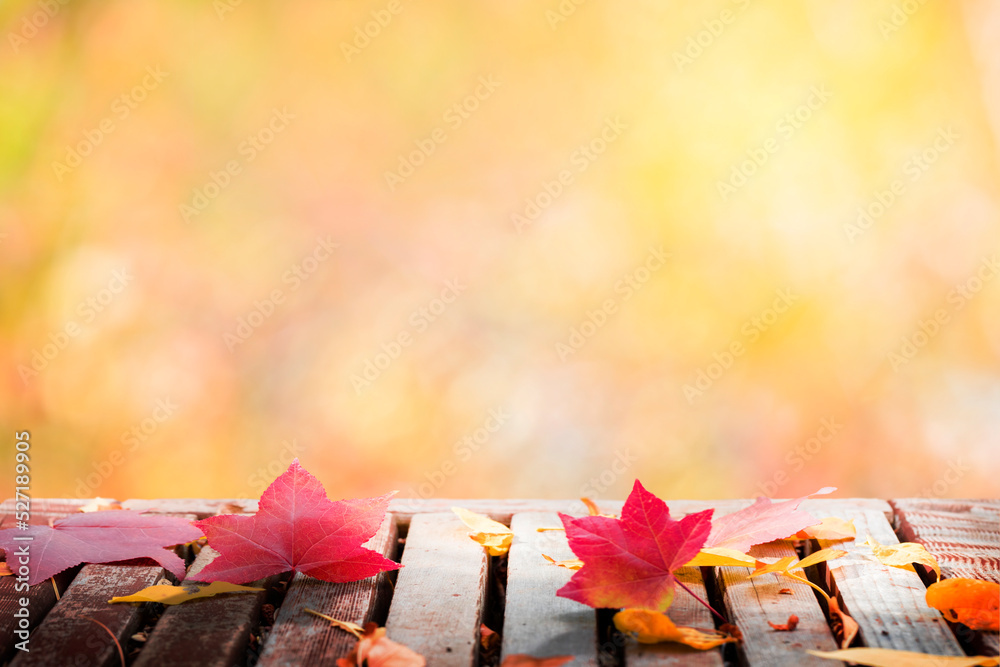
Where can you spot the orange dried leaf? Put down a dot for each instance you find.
(5, 570)
(374, 649)
(970, 601)
(785, 591)
(487, 638)
(845, 628)
(788, 626)
(652, 627)
(523, 660)
(571, 564)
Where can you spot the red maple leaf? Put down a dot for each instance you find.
(762, 522)
(97, 537)
(298, 528)
(629, 562)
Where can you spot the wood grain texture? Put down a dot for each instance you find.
(686, 611)
(211, 632)
(299, 638)
(438, 602)
(751, 603)
(67, 637)
(536, 621)
(887, 602)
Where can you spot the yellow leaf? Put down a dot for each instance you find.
(789, 563)
(903, 555)
(721, 557)
(830, 529)
(572, 564)
(884, 657)
(165, 594)
(970, 601)
(651, 627)
(493, 535)
(346, 626)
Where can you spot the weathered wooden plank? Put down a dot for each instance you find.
(41, 598)
(299, 638)
(501, 509)
(438, 602)
(752, 602)
(687, 611)
(211, 632)
(887, 602)
(536, 621)
(963, 535)
(68, 636)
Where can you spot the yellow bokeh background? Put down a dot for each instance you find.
(219, 220)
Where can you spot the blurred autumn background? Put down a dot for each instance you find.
(530, 249)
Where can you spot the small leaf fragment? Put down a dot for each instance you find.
(903, 555)
(493, 535)
(970, 601)
(845, 628)
(374, 649)
(788, 626)
(652, 627)
(885, 657)
(570, 564)
(167, 594)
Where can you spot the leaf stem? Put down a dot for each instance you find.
(692, 594)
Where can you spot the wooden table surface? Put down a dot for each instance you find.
(449, 588)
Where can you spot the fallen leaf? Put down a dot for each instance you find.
(831, 529)
(788, 626)
(493, 535)
(167, 594)
(571, 564)
(5, 570)
(629, 562)
(970, 601)
(488, 639)
(100, 505)
(652, 627)
(346, 626)
(786, 591)
(886, 657)
(789, 563)
(845, 628)
(374, 649)
(731, 630)
(721, 557)
(903, 555)
(523, 660)
(593, 509)
(297, 528)
(101, 537)
(762, 522)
